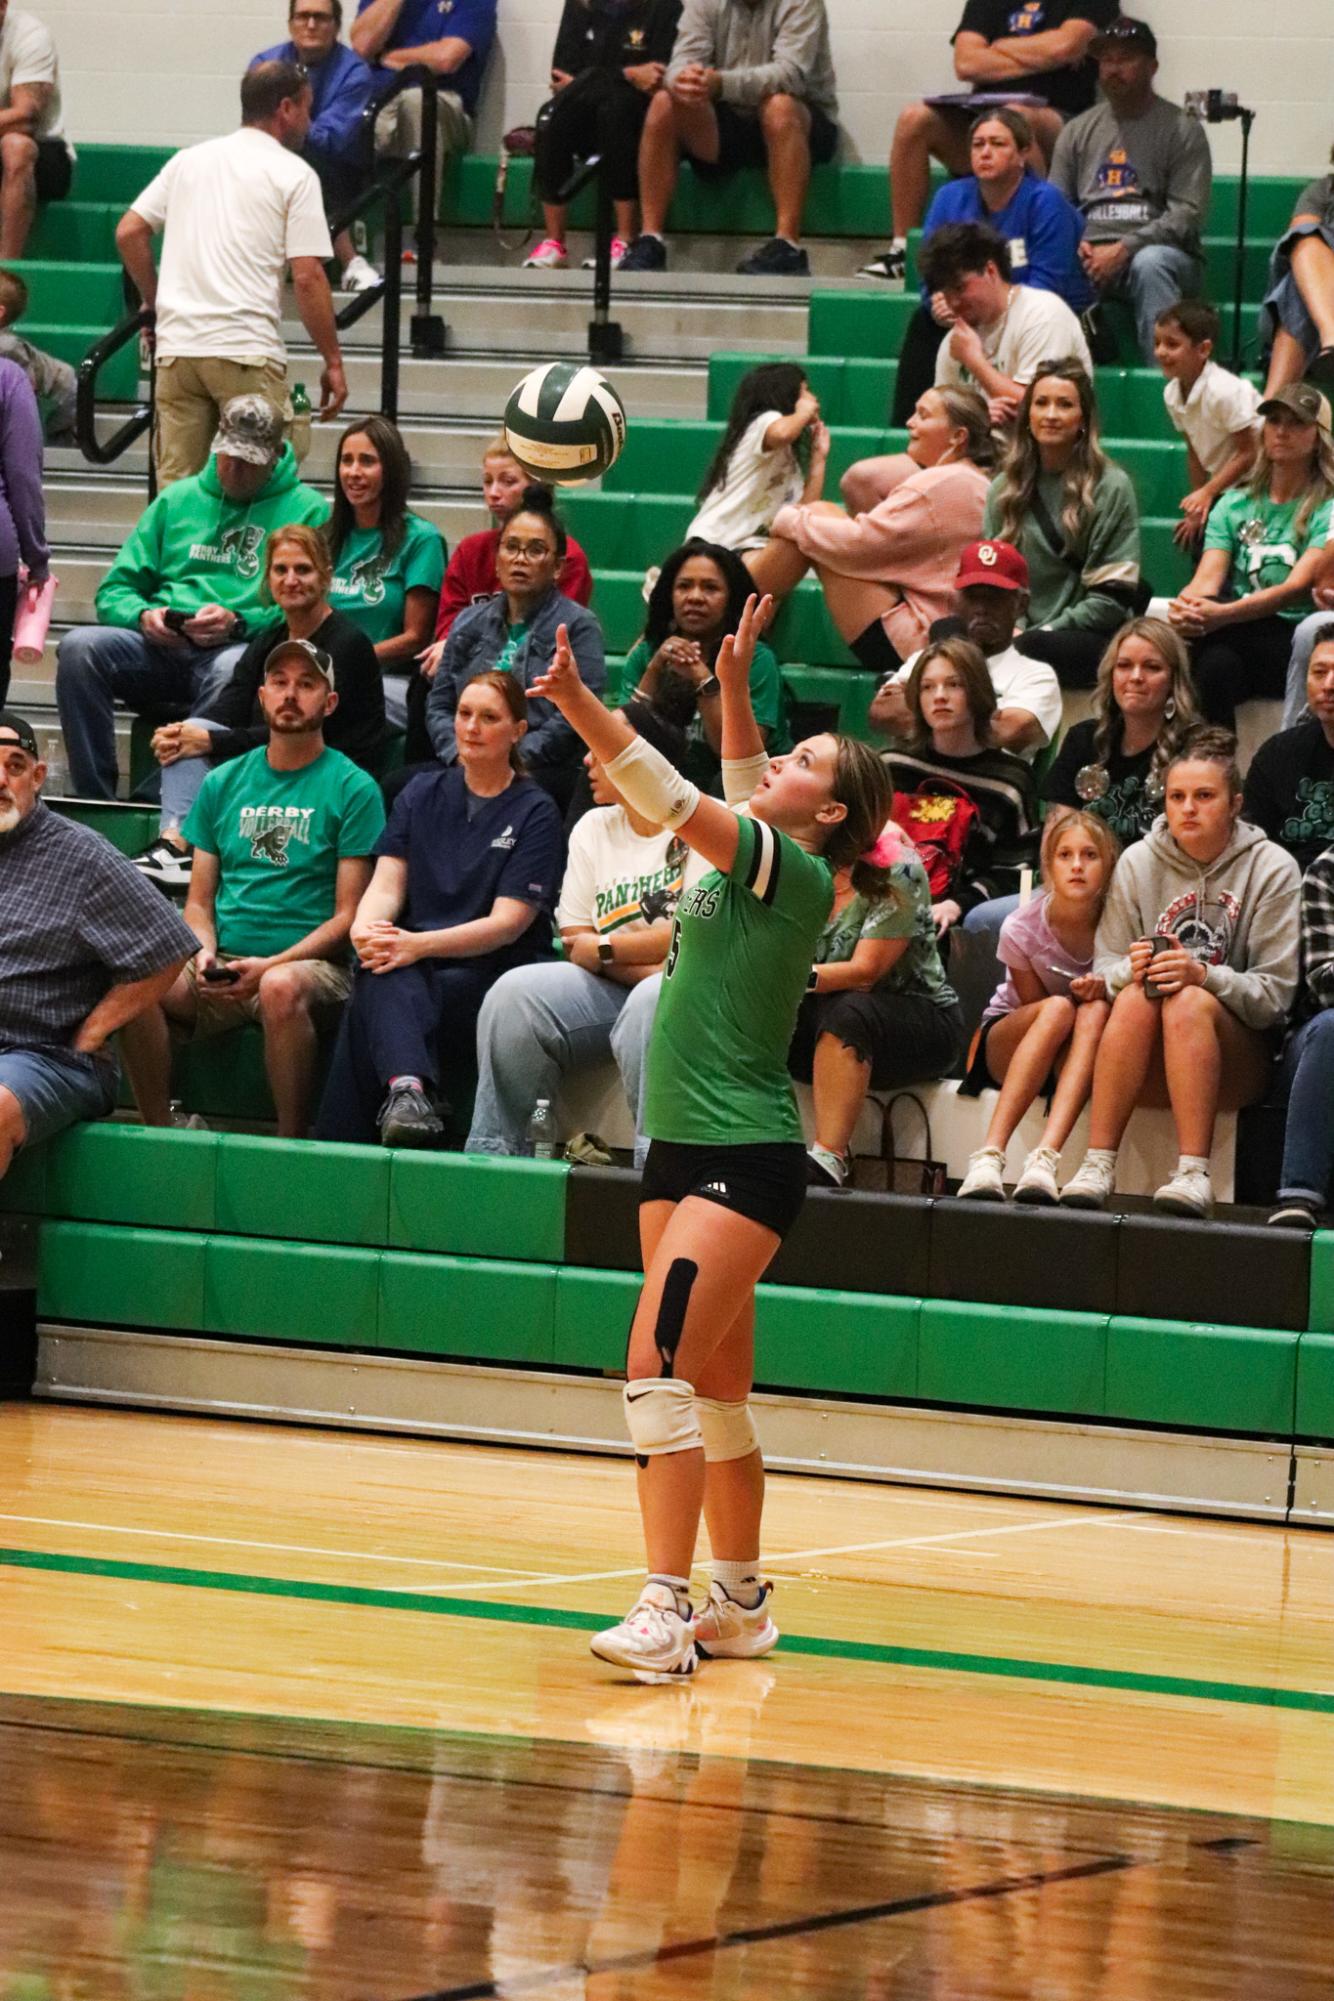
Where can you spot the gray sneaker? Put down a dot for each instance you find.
(408, 1118)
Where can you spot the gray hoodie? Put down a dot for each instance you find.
(1239, 915)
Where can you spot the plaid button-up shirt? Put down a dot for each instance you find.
(76, 918)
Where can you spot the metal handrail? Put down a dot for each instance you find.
(427, 329)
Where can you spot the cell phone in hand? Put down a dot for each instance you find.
(221, 976)
(1158, 945)
(177, 620)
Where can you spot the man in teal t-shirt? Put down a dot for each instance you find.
(282, 842)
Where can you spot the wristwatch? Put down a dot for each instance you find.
(711, 685)
(606, 957)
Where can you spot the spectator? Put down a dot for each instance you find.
(1290, 783)
(22, 505)
(774, 450)
(888, 573)
(1072, 512)
(543, 1022)
(36, 162)
(1308, 1141)
(1000, 332)
(389, 563)
(1297, 318)
(1139, 172)
(1046, 1018)
(53, 381)
(282, 839)
(515, 633)
(236, 212)
(179, 601)
(1210, 905)
(87, 945)
(609, 59)
(1303, 645)
(1038, 224)
(465, 879)
(698, 598)
(990, 597)
(470, 574)
(1035, 51)
(970, 808)
(750, 84)
(342, 86)
(1144, 709)
(880, 1012)
(1216, 411)
(297, 578)
(1264, 553)
(406, 34)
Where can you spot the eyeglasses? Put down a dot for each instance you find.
(535, 550)
(309, 16)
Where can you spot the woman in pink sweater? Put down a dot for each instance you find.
(888, 574)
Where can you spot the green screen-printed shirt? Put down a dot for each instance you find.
(738, 964)
(279, 837)
(903, 912)
(373, 590)
(1258, 535)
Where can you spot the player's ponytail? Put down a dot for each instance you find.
(862, 784)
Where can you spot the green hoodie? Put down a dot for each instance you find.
(194, 546)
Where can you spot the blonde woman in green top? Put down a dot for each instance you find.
(725, 1177)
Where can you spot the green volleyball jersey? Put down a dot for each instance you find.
(738, 965)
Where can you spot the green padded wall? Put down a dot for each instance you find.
(1202, 1378)
(593, 1314)
(133, 1174)
(496, 1311)
(303, 1189)
(1321, 1318)
(476, 1207)
(315, 1294)
(837, 1343)
(115, 1276)
(1315, 1387)
(1012, 1358)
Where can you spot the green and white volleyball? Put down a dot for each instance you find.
(565, 423)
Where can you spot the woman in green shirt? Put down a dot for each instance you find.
(389, 563)
(725, 1177)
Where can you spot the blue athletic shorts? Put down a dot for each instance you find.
(55, 1087)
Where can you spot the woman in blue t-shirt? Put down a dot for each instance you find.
(465, 882)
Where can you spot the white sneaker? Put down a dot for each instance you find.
(619, 246)
(1189, 1193)
(1090, 1185)
(1038, 1183)
(654, 1640)
(985, 1179)
(727, 1631)
(360, 275)
(550, 255)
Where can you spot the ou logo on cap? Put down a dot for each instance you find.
(986, 554)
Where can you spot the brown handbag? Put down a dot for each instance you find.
(893, 1173)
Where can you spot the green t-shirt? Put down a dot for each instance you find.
(740, 957)
(374, 593)
(768, 702)
(279, 837)
(903, 912)
(1258, 535)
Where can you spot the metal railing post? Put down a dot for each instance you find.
(428, 328)
(392, 310)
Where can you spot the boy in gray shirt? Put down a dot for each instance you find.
(54, 382)
(1140, 173)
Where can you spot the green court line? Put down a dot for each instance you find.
(1008, 1667)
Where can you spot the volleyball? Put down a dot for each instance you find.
(565, 423)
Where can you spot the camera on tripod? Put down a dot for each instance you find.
(1213, 107)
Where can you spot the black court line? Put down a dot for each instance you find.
(632, 1962)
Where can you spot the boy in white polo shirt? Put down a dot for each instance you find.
(1213, 409)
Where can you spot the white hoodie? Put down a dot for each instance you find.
(1239, 915)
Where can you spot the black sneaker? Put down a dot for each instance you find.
(408, 1118)
(166, 865)
(891, 266)
(646, 253)
(775, 259)
(1294, 1214)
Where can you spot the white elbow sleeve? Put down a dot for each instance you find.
(651, 784)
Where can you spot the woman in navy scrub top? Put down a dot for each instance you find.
(465, 882)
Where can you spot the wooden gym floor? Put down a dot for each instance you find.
(290, 1713)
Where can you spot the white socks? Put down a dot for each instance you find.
(741, 1581)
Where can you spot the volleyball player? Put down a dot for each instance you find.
(726, 1172)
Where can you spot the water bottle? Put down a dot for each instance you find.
(300, 400)
(542, 1131)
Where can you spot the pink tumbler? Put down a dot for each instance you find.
(32, 622)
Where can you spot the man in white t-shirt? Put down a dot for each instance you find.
(991, 596)
(1002, 332)
(236, 212)
(36, 164)
(540, 1023)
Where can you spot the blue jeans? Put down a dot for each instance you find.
(540, 1023)
(1159, 275)
(57, 1087)
(1308, 1142)
(100, 665)
(1284, 307)
(1303, 646)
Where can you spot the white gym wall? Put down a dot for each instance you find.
(139, 71)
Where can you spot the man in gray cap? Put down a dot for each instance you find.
(182, 597)
(88, 945)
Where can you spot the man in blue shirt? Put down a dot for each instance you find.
(342, 85)
(451, 38)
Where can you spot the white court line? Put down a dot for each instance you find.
(285, 1548)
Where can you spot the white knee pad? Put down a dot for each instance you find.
(728, 1429)
(660, 1416)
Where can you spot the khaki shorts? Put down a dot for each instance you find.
(191, 390)
(216, 1013)
(398, 129)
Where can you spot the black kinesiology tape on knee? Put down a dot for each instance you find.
(672, 1310)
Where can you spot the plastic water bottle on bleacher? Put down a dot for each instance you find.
(541, 1133)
